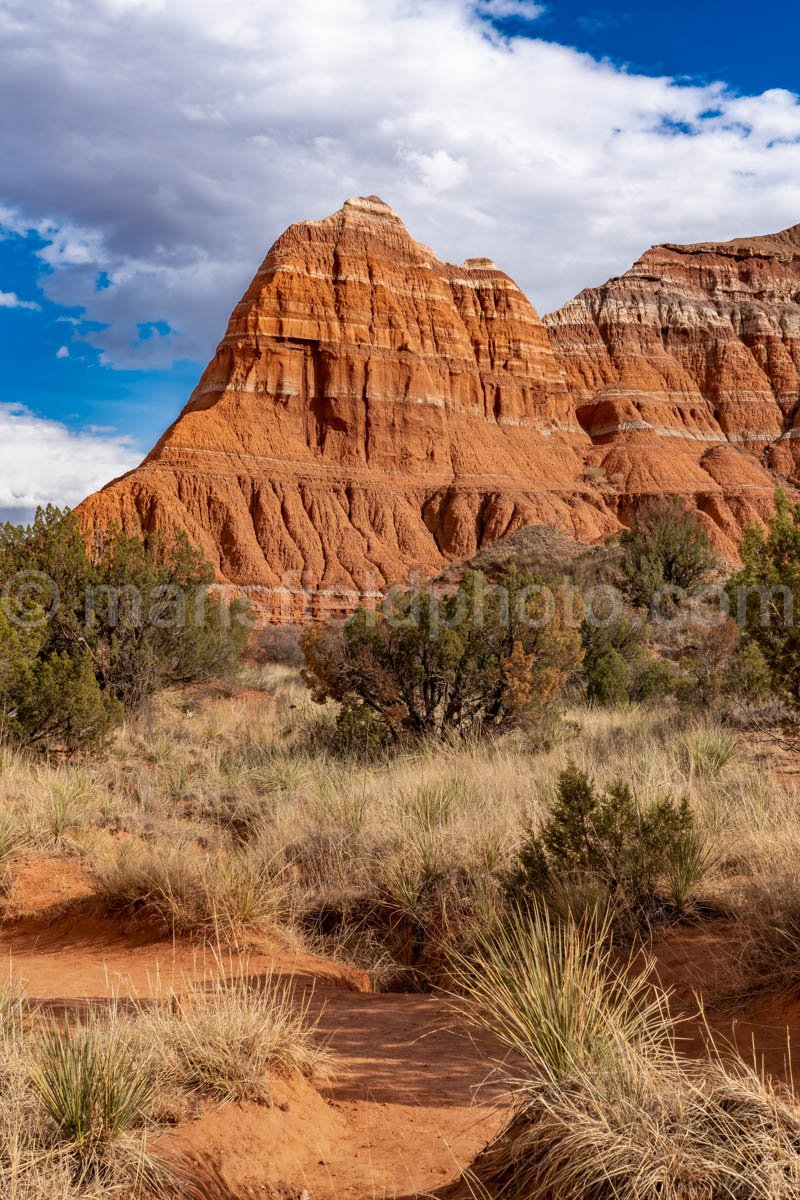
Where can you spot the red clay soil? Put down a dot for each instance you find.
(403, 1111)
(410, 1100)
(696, 965)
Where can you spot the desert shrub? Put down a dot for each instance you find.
(607, 629)
(280, 644)
(356, 732)
(604, 1106)
(91, 635)
(765, 594)
(717, 665)
(49, 697)
(603, 837)
(706, 655)
(665, 548)
(618, 664)
(64, 704)
(482, 657)
(748, 675)
(651, 679)
(607, 679)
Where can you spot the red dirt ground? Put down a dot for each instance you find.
(403, 1111)
(410, 1100)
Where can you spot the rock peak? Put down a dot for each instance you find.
(371, 206)
(776, 245)
(374, 412)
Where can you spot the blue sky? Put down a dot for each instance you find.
(153, 149)
(752, 48)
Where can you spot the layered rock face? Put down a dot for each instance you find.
(370, 413)
(685, 372)
(373, 413)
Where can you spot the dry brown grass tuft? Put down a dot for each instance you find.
(224, 1037)
(222, 898)
(605, 1106)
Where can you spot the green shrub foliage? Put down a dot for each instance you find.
(618, 663)
(607, 679)
(482, 657)
(88, 633)
(765, 596)
(605, 838)
(666, 547)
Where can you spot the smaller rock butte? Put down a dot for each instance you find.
(373, 413)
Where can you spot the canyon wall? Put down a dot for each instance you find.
(685, 373)
(373, 413)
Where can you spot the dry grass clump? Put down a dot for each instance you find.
(220, 898)
(683, 1134)
(605, 1106)
(224, 1038)
(768, 930)
(78, 1103)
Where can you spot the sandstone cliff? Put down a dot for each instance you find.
(373, 412)
(685, 372)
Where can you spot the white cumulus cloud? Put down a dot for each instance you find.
(12, 300)
(42, 461)
(62, 352)
(160, 146)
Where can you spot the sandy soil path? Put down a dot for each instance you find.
(410, 1101)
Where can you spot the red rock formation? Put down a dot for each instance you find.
(372, 412)
(685, 372)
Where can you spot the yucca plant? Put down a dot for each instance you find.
(708, 751)
(13, 838)
(604, 1105)
(689, 860)
(63, 817)
(95, 1082)
(403, 885)
(432, 804)
(550, 993)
